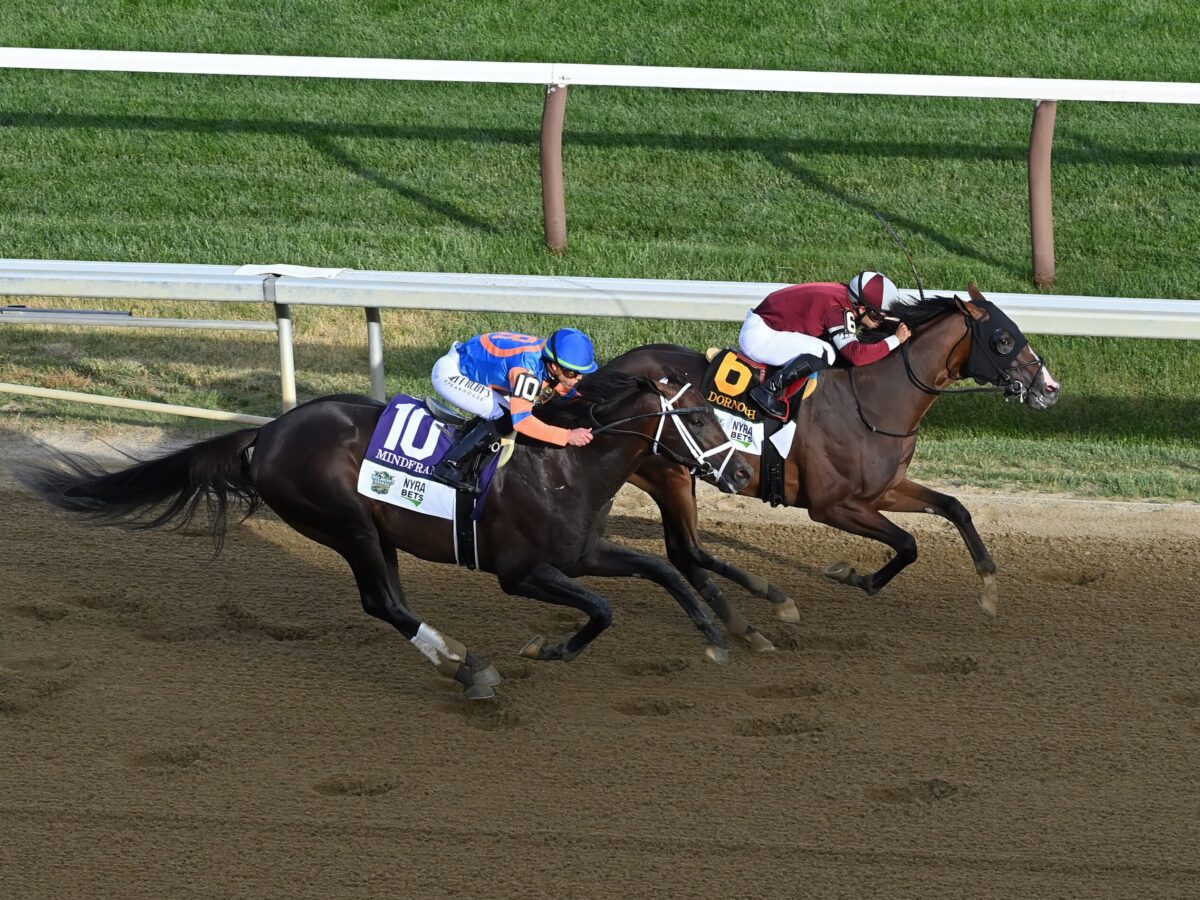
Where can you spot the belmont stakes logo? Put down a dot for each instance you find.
(381, 482)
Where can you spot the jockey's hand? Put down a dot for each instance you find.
(579, 437)
(902, 332)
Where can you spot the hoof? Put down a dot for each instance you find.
(479, 692)
(719, 655)
(839, 571)
(787, 612)
(989, 596)
(533, 649)
(487, 676)
(758, 642)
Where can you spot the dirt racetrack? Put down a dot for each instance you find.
(176, 727)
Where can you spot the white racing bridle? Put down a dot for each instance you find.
(700, 456)
(698, 464)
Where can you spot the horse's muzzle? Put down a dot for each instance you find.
(736, 478)
(1043, 393)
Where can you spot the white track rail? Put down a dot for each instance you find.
(601, 75)
(718, 301)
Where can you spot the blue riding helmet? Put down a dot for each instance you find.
(571, 349)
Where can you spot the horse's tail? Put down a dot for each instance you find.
(164, 492)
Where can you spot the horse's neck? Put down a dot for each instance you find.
(938, 354)
(594, 473)
(934, 355)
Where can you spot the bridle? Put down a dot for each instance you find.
(984, 352)
(698, 464)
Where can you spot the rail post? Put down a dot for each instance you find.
(287, 359)
(554, 204)
(375, 354)
(1041, 215)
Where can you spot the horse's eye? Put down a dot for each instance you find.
(1003, 343)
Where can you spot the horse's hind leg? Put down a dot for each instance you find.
(377, 576)
(908, 496)
(610, 560)
(857, 517)
(482, 671)
(382, 597)
(548, 584)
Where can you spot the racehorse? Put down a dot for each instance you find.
(854, 441)
(541, 527)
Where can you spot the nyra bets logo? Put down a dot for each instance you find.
(381, 482)
(412, 490)
(741, 432)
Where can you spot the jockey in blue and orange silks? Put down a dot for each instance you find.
(503, 370)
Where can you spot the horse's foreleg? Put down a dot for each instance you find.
(864, 520)
(908, 496)
(548, 584)
(609, 560)
(671, 489)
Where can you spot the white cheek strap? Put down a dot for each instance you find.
(699, 454)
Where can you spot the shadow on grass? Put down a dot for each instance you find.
(1080, 417)
(778, 152)
(1087, 153)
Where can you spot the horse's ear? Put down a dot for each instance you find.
(970, 309)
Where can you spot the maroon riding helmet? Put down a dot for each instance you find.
(874, 291)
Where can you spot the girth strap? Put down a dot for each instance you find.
(466, 553)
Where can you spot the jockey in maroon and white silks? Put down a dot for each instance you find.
(803, 327)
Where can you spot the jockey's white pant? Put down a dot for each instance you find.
(760, 341)
(477, 399)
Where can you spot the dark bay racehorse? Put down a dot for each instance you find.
(855, 439)
(542, 525)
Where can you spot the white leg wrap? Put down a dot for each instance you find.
(433, 645)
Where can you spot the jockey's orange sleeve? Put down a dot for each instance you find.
(525, 422)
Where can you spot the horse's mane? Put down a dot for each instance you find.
(916, 312)
(913, 312)
(597, 392)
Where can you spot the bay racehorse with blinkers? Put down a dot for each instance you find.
(541, 527)
(855, 439)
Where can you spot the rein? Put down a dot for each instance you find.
(1009, 387)
(607, 426)
(698, 464)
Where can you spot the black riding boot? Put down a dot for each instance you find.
(769, 394)
(456, 467)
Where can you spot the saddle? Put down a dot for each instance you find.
(727, 383)
(731, 375)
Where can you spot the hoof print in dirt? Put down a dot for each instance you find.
(654, 707)
(354, 786)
